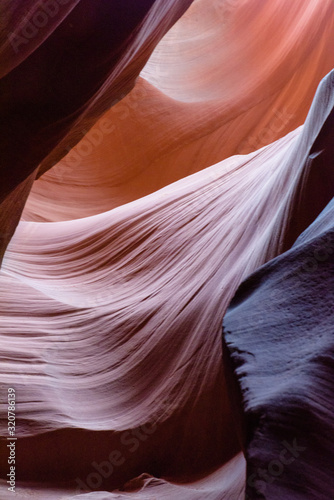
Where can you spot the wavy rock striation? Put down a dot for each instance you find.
(190, 110)
(279, 336)
(48, 48)
(131, 247)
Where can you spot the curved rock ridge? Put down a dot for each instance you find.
(120, 317)
(229, 78)
(279, 352)
(144, 221)
(226, 483)
(65, 62)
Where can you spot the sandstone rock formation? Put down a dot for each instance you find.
(142, 221)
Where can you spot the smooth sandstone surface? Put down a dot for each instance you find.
(229, 78)
(131, 247)
(65, 62)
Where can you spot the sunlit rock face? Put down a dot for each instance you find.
(64, 63)
(130, 249)
(229, 78)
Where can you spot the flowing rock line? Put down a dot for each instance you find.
(278, 331)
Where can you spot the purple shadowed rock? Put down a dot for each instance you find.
(279, 344)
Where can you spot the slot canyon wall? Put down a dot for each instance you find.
(166, 169)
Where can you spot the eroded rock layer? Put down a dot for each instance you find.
(65, 62)
(131, 247)
(278, 332)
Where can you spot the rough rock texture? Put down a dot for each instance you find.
(129, 250)
(120, 318)
(278, 331)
